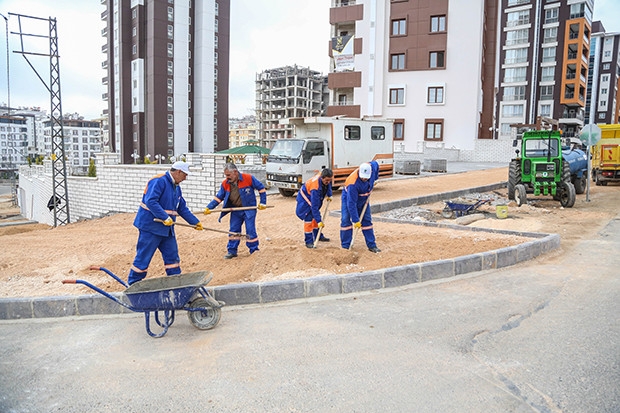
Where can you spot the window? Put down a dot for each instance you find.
(377, 133)
(516, 56)
(512, 111)
(170, 14)
(170, 103)
(545, 110)
(604, 91)
(435, 94)
(135, 119)
(398, 61)
(352, 133)
(514, 93)
(606, 66)
(169, 86)
(605, 78)
(517, 18)
(547, 73)
(516, 74)
(170, 31)
(551, 15)
(607, 53)
(548, 54)
(134, 31)
(170, 138)
(436, 59)
(135, 136)
(438, 24)
(134, 49)
(170, 50)
(170, 68)
(516, 37)
(601, 115)
(399, 129)
(170, 121)
(397, 96)
(546, 93)
(134, 13)
(434, 129)
(550, 35)
(399, 27)
(313, 149)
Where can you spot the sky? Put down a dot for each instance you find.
(265, 34)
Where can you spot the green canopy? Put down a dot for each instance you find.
(245, 149)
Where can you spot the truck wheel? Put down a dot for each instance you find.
(580, 185)
(514, 177)
(520, 195)
(596, 178)
(286, 192)
(567, 195)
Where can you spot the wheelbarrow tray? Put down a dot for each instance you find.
(165, 293)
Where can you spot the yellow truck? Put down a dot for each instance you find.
(606, 156)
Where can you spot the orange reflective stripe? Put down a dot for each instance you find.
(368, 227)
(136, 269)
(303, 195)
(251, 240)
(346, 228)
(309, 226)
(175, 265)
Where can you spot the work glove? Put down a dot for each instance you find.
(329, 199)
(321, 225)
(198, 226)
(357, 224)
(168, 222)
(207, 211)
(262, 206)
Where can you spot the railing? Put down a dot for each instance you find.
(343, 3)
(569, 95)
(572, 55)
(571, 75)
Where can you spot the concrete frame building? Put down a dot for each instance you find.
(603, 96)
(167, 65)
(287, 92)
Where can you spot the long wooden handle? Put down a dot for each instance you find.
(316, 241)
(236, 234)
(239, 208)
(361, 217)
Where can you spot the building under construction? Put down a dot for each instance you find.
(287, 92)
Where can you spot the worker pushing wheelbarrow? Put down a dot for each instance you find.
(165, 295)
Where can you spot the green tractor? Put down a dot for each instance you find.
(540, 169)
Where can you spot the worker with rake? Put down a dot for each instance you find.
(161, 202)
(355, 208)
(238, 192)
(309, 202)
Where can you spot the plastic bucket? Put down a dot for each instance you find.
(501, 211)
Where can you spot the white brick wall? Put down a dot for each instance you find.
(117, 188)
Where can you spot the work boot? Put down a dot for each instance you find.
(374, 249)
(323, 238)
(309, 245)
(229, 256)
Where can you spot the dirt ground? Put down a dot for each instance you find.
(35, 258)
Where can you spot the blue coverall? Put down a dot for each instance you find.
(309, 201)
(355, 193)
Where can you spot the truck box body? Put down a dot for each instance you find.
(340, 144)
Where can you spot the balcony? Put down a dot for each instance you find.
(104, 15)
(352, 111)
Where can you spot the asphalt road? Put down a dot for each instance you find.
(539, 337)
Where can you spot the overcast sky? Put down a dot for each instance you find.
(265, 34)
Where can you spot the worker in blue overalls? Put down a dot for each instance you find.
(163, 200)
(309, 201)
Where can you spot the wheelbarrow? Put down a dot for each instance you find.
(165, 295)
(460, 208)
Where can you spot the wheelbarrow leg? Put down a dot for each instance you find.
(165, 325)
(168, 314)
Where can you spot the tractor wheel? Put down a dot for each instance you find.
(514, 177)
(286, 192)
(565, 171)
(581, 184)
(520, 195)
(567, 194)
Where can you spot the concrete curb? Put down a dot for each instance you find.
(272, 291)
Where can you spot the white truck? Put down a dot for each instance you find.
(338, 143)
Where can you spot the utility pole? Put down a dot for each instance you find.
(59, 202)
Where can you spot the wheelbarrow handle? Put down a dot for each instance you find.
(69, 281)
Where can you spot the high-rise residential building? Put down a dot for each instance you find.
(82, 140)
(429, 65)
(167, 65)
(603, 97)
(287, 92)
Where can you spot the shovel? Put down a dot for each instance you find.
(357, 229)
(239, 208)
(316, 241)
(233, 234)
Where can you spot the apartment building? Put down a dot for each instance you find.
(242, 134)
(429, 65)
(167, 76)
(603, 91)
(287, 92)
(82, 140)
(14, 132)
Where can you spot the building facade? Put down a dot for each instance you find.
(287, 92)
(82, 140)
(167, 65)
(603, 92)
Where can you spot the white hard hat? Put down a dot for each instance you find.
(365, 171)
(181, 166)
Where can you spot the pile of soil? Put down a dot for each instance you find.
(35, 258)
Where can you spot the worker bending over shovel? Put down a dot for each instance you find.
(238, 191)
(309, 201)
(355, 210)
(162, 201)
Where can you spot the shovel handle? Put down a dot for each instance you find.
(234, 234)
(357, 229)
(316, 241)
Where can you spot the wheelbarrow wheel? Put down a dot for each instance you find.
(204, 319)
(447, 213)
